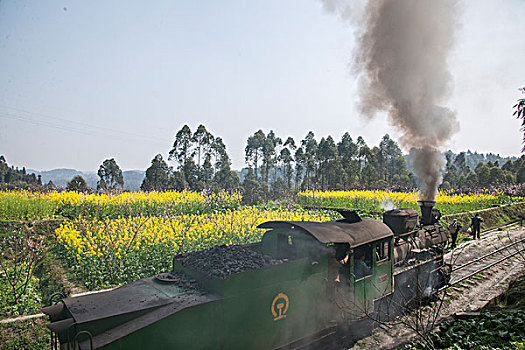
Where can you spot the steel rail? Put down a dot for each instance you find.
(479, 270)
(486, 255)
(507, 225)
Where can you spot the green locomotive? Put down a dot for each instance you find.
(296, 285)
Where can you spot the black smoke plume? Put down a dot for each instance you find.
(401, 59)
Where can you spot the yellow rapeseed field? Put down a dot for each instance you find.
(104, 252)
(171, 197)
(375, 201)
(26, 205)
(398, 197)
(87, 237)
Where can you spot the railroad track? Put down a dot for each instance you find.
(461, 272)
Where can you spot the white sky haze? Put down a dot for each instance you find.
(82, 81)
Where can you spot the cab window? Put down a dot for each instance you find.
(362, 261)
(383, 251)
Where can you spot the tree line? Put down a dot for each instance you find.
(278, 167)
(13, 178)
(460, 176)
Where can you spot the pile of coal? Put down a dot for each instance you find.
(222, 261)
(183, 281)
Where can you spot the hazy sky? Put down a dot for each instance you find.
(82, 81)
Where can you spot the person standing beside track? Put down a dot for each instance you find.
(475, 223)
(454, 229)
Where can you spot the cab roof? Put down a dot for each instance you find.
(353, 232)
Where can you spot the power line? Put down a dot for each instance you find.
(77, 127)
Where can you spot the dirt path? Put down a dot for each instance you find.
(471, 294)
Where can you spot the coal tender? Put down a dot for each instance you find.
(303, 281)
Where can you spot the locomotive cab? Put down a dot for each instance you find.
(358, 251)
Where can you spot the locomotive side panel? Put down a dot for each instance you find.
(197, 327)
(291, 305)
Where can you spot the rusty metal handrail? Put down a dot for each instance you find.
(54, 339)
(75, 340)
(52, 297)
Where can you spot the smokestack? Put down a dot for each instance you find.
(401, 60)
(426, 212)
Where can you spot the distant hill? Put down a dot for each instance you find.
(133, 179)
(60, 177)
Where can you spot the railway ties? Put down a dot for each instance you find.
(470, 269)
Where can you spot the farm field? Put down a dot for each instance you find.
(71, 242)
(375, 202)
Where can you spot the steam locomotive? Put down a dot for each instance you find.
(299, 284)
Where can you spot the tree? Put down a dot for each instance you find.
(361, 152)
(206, 172)
(520, 114)
(110, 176)
(269, 150)
(50, 187)
(203, 141)
(309, 145)
(369, 175)
(520, 176)
(508, 166)
(279, 189)
(176, 181)
(461, 162)
(471, 180)
(253, 192)
(403, 181)
(328, 157)
(226, 179)
(181, 149)
(219, 153)
(300, 165)
(451, 176)
(285, 157)
(254, 150)
(364, 155)
(377, 162)
(190, 171)
(157, 175)
(392, 158)
(483, 173)
(496, 176)
(348, 153)
(78, 184)
(14, 178)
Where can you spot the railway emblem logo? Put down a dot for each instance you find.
(280, 306)
(383, 278)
